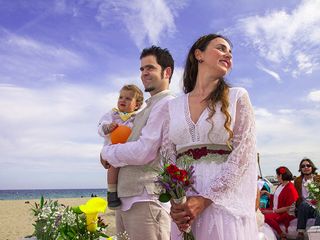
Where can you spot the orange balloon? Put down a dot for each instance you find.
(120, 134)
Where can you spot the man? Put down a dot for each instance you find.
(141, 215)
(304, 209)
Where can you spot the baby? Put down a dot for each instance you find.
(129, 102)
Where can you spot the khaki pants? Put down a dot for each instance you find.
(144, 220)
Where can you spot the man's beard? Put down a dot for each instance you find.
(152, 88)
(149, 89)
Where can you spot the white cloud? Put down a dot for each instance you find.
(52, 125)
(52, 132)
(270, 72)
(262, 112)
(243, 82)
(60, 6)
(285, 136)
(176, 84)
(25, 59)
(304, 63)
(146, 21)
(314, 96)
(287, 37)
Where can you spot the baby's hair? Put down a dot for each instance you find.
(138, 94)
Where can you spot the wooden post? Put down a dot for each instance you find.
(258, 158)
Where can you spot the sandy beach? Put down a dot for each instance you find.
(16, 217)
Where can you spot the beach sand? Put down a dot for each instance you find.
(16, 217)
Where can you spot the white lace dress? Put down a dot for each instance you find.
(230, 184)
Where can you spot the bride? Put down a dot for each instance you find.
(215, 121)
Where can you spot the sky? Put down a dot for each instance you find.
(62, 63)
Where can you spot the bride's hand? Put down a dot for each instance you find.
(195, 205)
(179, 214)
(184, 214)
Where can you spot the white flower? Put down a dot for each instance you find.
(307, 183)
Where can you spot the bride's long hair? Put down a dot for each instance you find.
(221, 93)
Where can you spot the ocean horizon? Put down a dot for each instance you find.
(27, 194)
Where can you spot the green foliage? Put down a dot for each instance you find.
(54, 221)
(164, 197)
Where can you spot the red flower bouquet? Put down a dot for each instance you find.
(175, 182)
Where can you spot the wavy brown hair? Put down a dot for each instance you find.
(220, 94)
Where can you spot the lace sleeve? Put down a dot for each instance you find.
(168, 148)
(239, 171)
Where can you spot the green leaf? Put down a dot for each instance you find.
(76, 210)
(41, 202)
(164, 197)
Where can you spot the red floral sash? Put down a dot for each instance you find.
(197, 153)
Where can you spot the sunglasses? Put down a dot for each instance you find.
(305, 166)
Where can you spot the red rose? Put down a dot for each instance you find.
(180, 175)
(171, 169)
(184, 175)
(199, 152)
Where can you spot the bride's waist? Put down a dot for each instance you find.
(213, 152)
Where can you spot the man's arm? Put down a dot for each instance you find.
(146, 148)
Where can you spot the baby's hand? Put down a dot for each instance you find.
(108, 128)
(113, 126)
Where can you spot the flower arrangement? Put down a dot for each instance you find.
(313, 188)
(175, 182)
(58, 222)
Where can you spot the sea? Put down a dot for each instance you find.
(51, 193)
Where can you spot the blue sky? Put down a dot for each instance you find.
(63, 62)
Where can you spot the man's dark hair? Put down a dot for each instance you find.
(163, 56)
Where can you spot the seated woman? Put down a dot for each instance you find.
(265, 232)
(281, 201)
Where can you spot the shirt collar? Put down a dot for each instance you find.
(156, 97)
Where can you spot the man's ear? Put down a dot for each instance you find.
(168, 72)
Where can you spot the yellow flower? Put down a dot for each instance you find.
(91, 209)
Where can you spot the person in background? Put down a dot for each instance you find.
(129, 102)
(142, 215)
(264, 199)
(265, 231)
(284, 197)
(305, 210)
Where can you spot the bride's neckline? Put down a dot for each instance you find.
(189, 112)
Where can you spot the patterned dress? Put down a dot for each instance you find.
(229, 181)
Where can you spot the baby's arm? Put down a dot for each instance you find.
(108, 128)
(106, 124)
